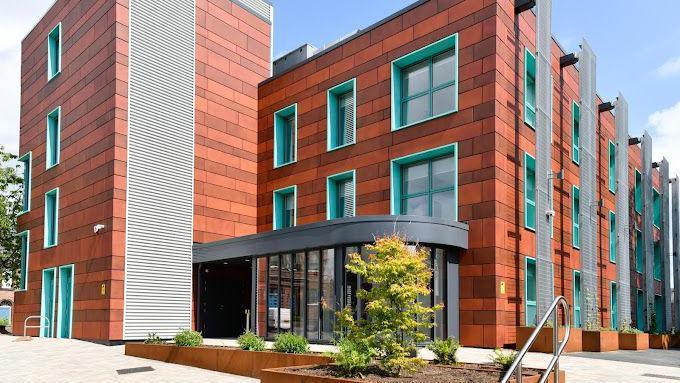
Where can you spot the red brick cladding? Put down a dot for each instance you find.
(232, 57)
(92, 93)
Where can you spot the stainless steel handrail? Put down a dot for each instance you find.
(40, 326)
(558, 346)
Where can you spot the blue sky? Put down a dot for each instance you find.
(637, 45)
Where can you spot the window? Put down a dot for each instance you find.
(576, 132)
(54, 52)
(529, 88)
(575, 217)
(285, 214)
(285, 136)
(24, 237)
(340, 199)
(612, 237)
(25, 162)
(639, 252)
(640, 311)
(638, 192)
(530, 290)
(425, 184)
(658, 261)
(51, 217)
(342, 118)
(612, 167)
(577, 299)
(529, 192)
(659, 313)
(613, 304)
(52, 143)
(425, 83)
(657, 209)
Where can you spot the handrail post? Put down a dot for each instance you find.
(556, 336)
(518, 372)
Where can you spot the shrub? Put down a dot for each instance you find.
(629, 330)
(353, 357)
(251, 342)
(188, 338)
(503, 359)
(152, 338)
(4, 322)
(444, 350)
(290, 343)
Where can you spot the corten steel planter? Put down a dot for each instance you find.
(229, 360)
(674, 341)
(633, 341)
(660, 342)
(600, 341)
(292, 375)
(544, 340)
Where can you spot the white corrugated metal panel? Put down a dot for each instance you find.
(623, 232)
(260, 8)
(648, 224)
(160, 168)
(666, 242)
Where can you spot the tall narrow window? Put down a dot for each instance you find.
(658, 261)
(575, 217)
(640, 311)
(529, 88)
(341, 195)
(53, 137)
(577, 299)
(530, 290)
(659, 313)
(313, 294)
(285, 136)
(613, 304)
(638, 192)
(342, 115)
(639, 252)
(273, 296)
(612, 167)
(51, 217)
(612, 237)
(657, 209)
(24, 237)
(25, 162)
(329, 302)
(285, 207)
(576, 132)
(54, 52)
(529, 192)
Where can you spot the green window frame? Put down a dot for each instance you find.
(658, 261)
(613, 305)
(51, 225)
(640, 318)
(612, 167)
(657, 208)
(341, 195)
(529, 88)
(285, 136)
(342, 115)
(437, 185)
(54, 52)
(638, 192)
(659, 313)
(530, 290)
(529, 192)
(639, 252)
(25, 250)
(430, 57)
(577, 298)
(612, 237)
(26, 160)
(575, 132)
(53, 138)
(575, 217)
(285, 207)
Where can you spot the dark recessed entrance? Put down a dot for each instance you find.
(225, 292)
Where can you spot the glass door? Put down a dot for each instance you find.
(47, 302)
(65, 306)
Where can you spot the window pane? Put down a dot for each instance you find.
(313, 295)
(416, 109)
(443, 173)
(345, 119)
(439, 290)
(531, 185)
(444, 205)
(288, 210)
(273, 297)
(443, 100)
(415, 206)
(285, 297)
(443, 68)
(299, 294)
(415, 178)
(345, 203)
(415, 79)
(288, 139)
(531, 281)
(328, 294)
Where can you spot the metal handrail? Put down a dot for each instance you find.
(558, 346)
(40, 326)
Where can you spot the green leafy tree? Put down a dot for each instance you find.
(394, 319)
(10, 206)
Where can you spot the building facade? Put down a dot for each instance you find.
(227, 197)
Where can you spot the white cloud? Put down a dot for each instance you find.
(664, 126)
(669, 68)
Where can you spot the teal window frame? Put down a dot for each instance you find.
(530, 305)
(333, 112)
(51, 223)
(529, 204)
(658, 261)
(656, 208)
(278, 206)
(575, 132)
(640, 317)
(575, 217)
(60, 301)
(612, 237)
(638, 192)
(332, 197)
(576, 292)
(529, 89)
(24, 256)
(659, 313)
(613, 305)
(54, 41)
(612, 167)
(427, 155)
(639, 252)
(426, 53)
(53, 138)
(27, 161)
(281, 118)
(48, 330)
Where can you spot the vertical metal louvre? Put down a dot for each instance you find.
(346, 189)
(647, 224)
(588, 190)
(160, 173)
(347, 102)
(666, 241)
(623, 232)
(676, 247)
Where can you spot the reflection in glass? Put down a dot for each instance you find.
(273, 297)
(299, 293)
(438, 290)
(286, 292)
(313, 295)
(327, 294)
(416, 79)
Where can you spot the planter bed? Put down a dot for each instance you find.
(600, 341)
(223, 359)
(633, 341)
(464, 373)
(544, 340)
(660, 342)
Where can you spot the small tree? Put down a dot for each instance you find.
(10, 207)
(394, 316)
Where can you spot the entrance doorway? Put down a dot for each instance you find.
(225, 293)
